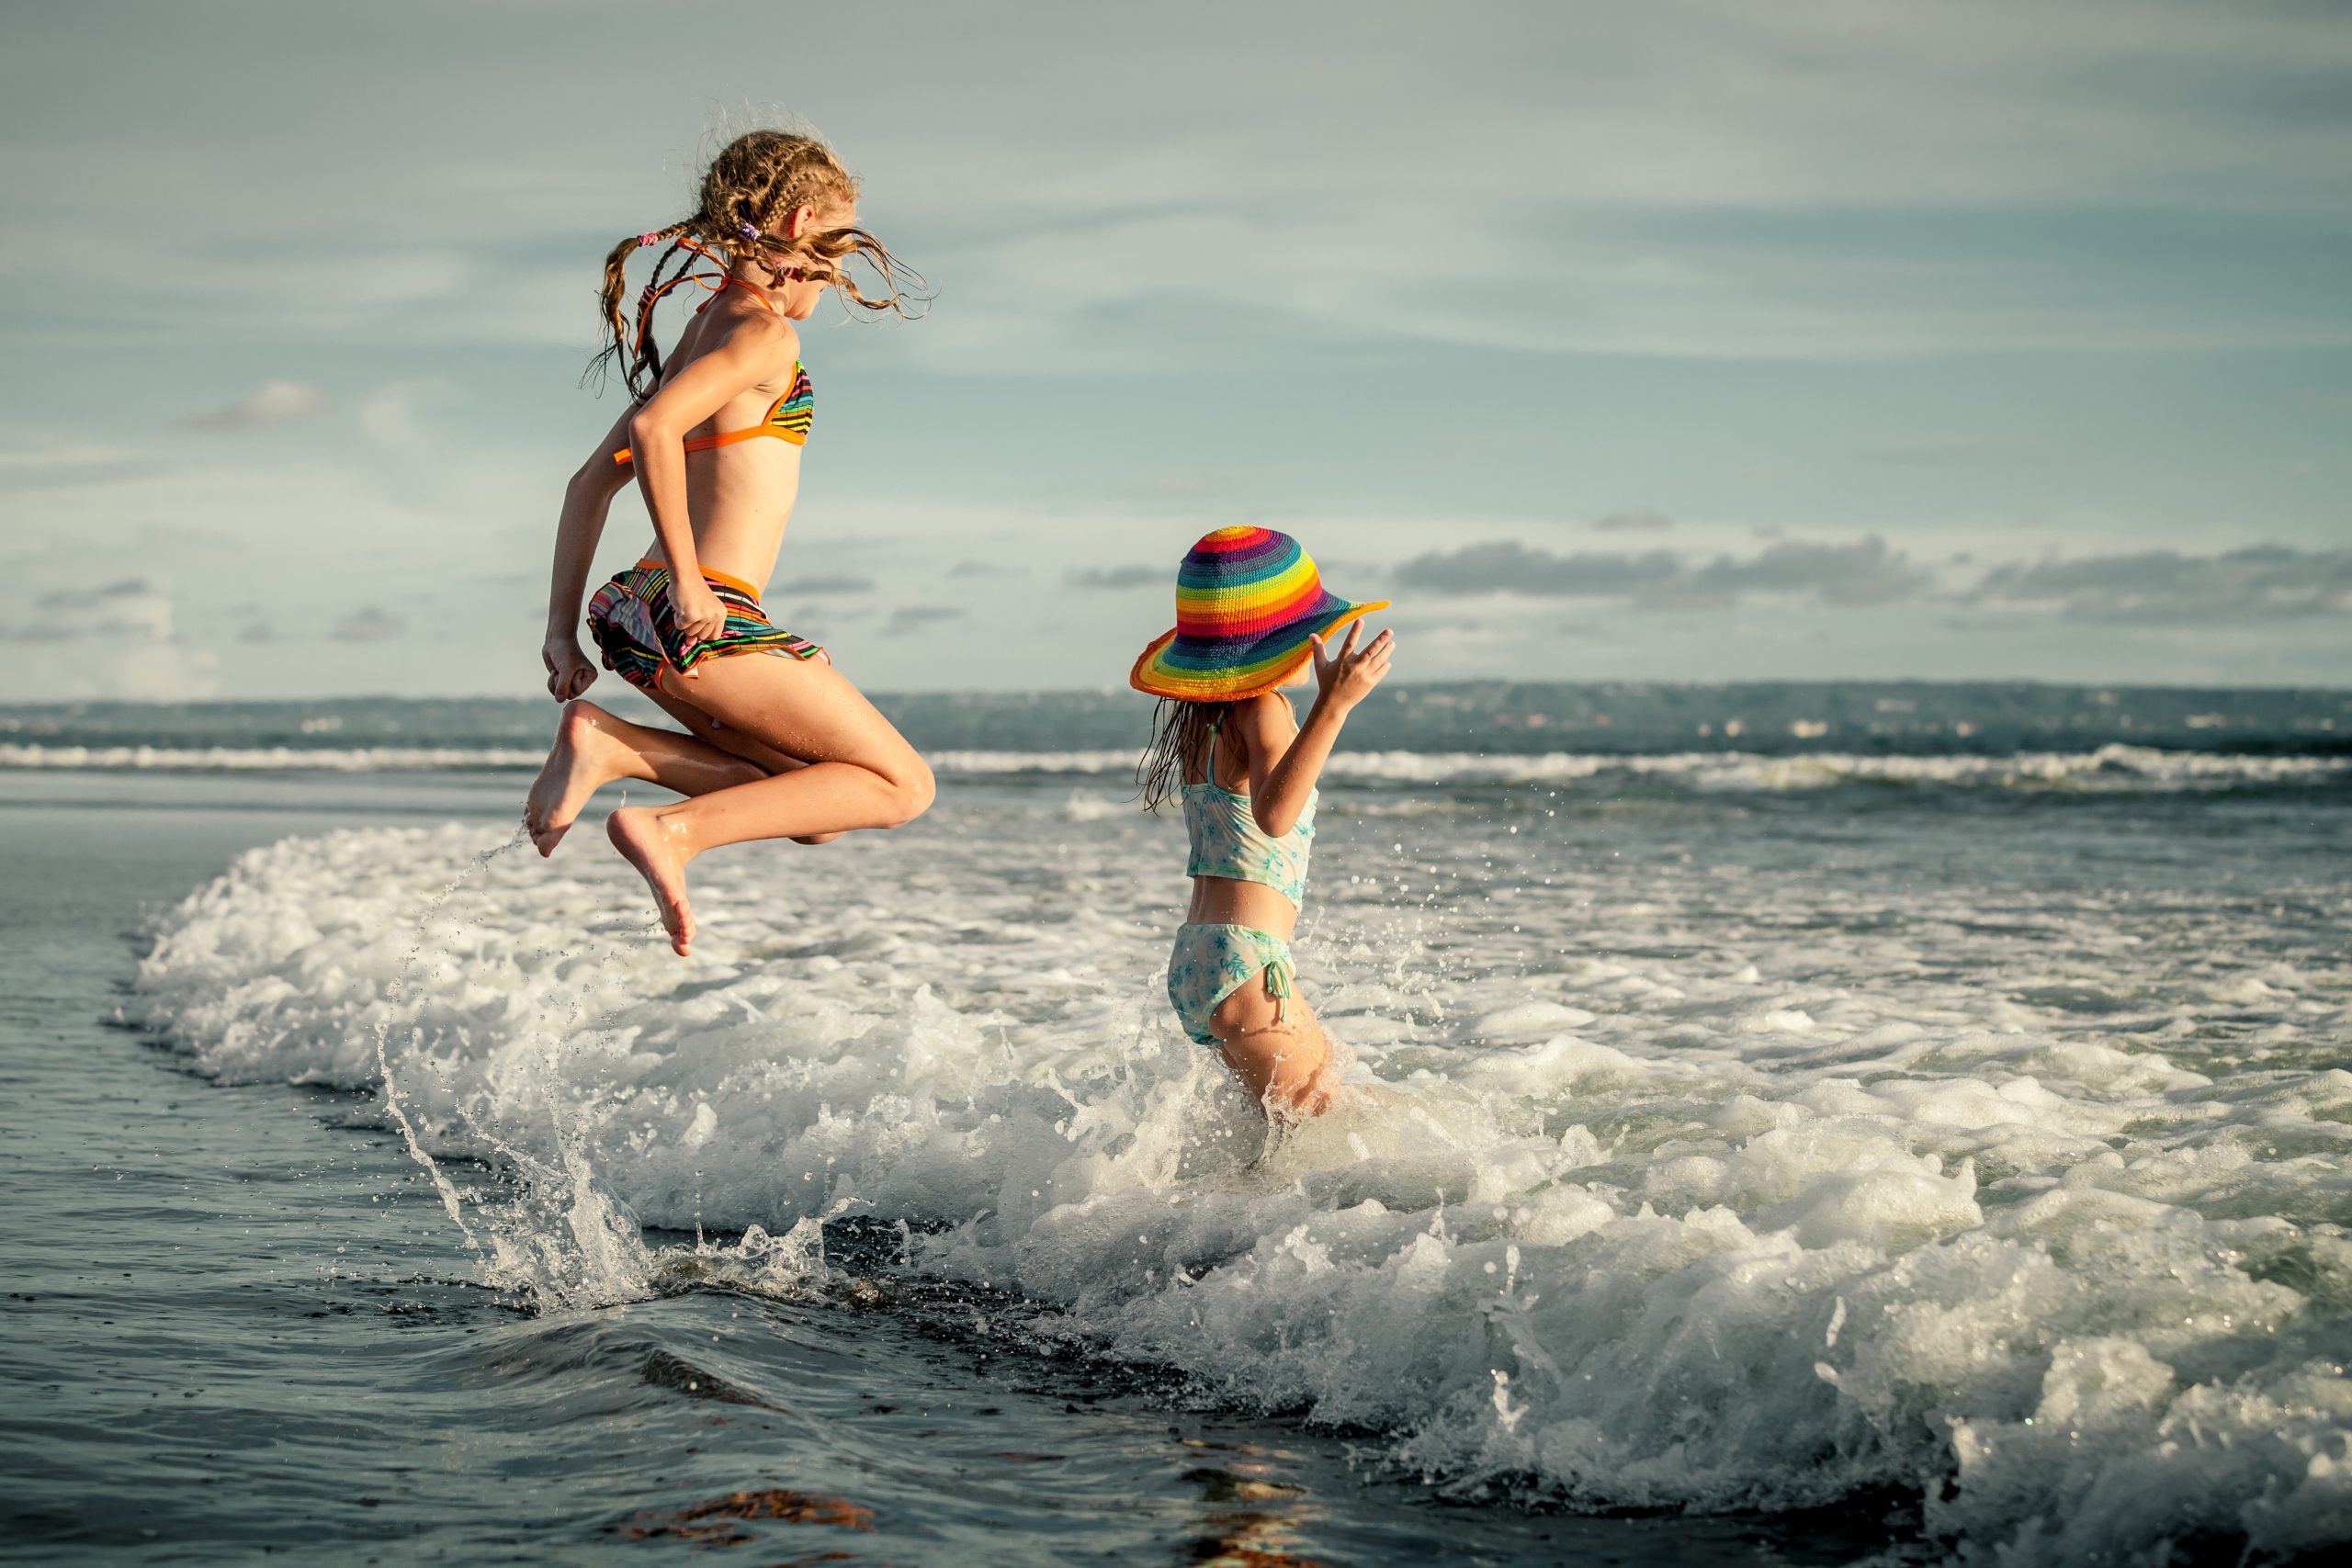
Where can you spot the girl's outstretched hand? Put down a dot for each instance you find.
(569, 672)
(1348, 677)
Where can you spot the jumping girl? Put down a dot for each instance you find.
(1250, 613)
(780, 745)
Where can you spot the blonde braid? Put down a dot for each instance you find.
(633, 363)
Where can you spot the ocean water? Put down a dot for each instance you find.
(1912, 1147)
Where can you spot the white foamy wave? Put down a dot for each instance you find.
(268, 758)
(2107, 768)
(1755, 1201)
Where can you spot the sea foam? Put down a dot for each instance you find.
(2114, 767)
(1713, 1185)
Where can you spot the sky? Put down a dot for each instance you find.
(1688, 340)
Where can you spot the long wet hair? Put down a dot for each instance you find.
(1180, 732)
(757, 181)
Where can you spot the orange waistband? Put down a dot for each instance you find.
(649, 564)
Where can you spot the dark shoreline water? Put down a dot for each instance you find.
(238, 1325)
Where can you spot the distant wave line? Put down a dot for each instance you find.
(2111, 766)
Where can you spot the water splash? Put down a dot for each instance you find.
(451, 1201)
(607, 1260)
(791, 1267)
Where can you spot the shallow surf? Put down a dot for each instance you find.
(238, 1325)
(1718, 1146)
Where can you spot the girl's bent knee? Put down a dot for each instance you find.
(912, 792)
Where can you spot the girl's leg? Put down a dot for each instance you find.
(1287, 1065)
(735, 742)
(860, 773)
(593, 747)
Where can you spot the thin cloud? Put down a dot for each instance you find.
(277, 403)
(1634, 520)
(916, 618)
(367, 623)
(1119, 577)
(2167, 587)
(812, 587)
(1509, 567)
(68, 598)
(1965, 453)
(129, 609)
(392, 417)
(1863, 572)
(2156, 587)
(52, 463)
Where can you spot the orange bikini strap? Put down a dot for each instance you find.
(732, 281)
(655, 292)
(715, 283)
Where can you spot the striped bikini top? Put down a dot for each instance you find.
(787, 418)
(1226, 840)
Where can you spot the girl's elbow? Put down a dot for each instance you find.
(650, 428)
(1273, 824)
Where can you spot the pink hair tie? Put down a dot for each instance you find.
(645, 239)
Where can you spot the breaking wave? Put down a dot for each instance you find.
(2113, 767)
(1777, 1190)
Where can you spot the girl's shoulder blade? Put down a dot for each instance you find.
(755, 342)
(753, 327)
(737, 318)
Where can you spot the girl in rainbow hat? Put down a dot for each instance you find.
(1251, 615)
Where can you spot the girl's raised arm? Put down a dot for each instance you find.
(1283, 775)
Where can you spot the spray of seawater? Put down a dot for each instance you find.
(564, 1237)
(451, 1201)
(560, 1234)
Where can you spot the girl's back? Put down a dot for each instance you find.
(1228, 845)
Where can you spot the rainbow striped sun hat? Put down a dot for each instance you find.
(1247, 600)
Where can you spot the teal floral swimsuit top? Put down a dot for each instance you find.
(1228, 842)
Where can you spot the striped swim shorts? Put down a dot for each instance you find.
(636, 626)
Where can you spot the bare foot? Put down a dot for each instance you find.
(637, 832)
(575, 766)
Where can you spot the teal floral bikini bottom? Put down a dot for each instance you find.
(1209, 963)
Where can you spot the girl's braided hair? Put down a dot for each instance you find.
(758, 180)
